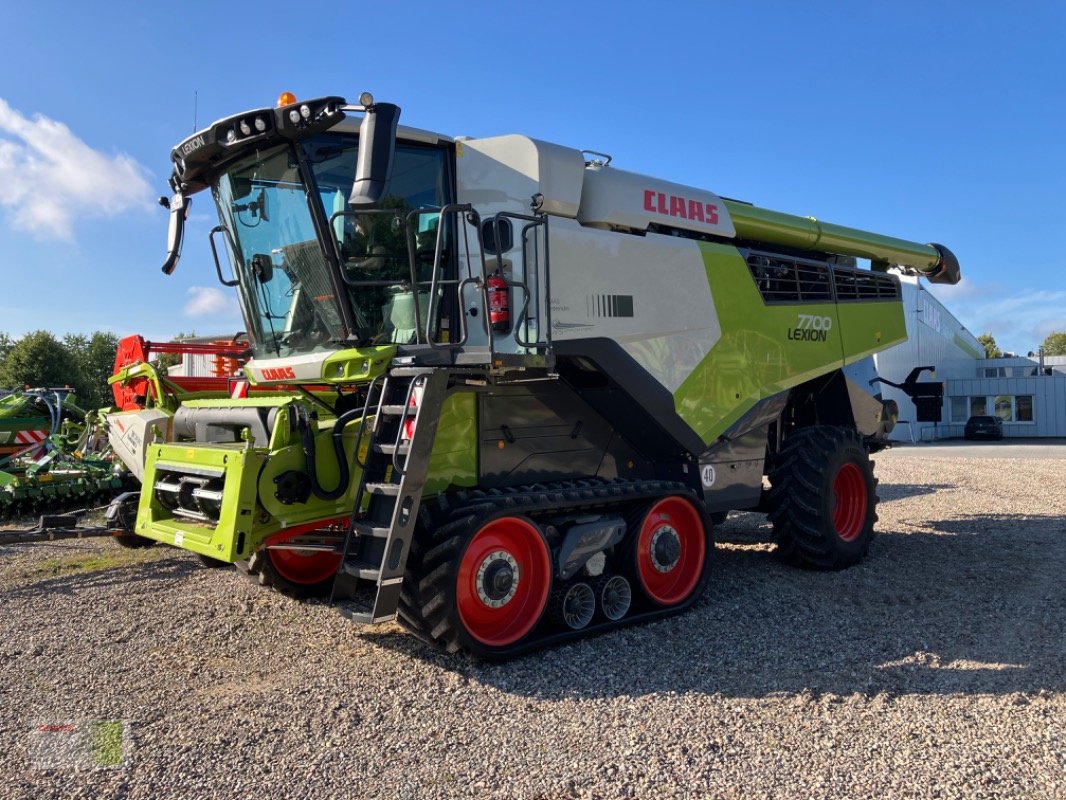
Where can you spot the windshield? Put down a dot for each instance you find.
(373, 245)
(285, 285)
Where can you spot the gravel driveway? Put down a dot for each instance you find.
(934, 669)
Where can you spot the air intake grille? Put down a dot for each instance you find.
(789, 280)
(862, 285)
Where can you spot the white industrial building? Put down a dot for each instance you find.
(1027, 393)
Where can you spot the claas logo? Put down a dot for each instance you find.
(278, 374)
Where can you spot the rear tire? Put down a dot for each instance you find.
(823, 498)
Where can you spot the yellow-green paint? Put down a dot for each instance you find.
(868, 327)
(761, 353)
(357, 364)
(454, 461)
(807, 233)
(240, 465)
(250, 506)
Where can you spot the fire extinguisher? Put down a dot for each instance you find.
(499, 302)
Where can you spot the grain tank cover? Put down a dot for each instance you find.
(614, 198)
(505, 169)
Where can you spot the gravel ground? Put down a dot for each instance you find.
(934, 669)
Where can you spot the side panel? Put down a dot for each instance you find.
(764, 350)
(648, 293)
(870, 327)
(455, 450)
(546, 431)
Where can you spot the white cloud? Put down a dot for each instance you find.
(1019, 321)
(50, 177)
(208, 301)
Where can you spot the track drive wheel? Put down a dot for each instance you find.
(480, 584)
(823, 498)
(669, 551)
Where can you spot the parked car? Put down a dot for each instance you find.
(984, 428)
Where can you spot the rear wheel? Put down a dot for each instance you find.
(669, 551)
(823, 499)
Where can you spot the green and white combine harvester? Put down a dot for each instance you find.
(506, 388)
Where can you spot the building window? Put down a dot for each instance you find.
(1024, 408)
(1005, 407)
(978, 406)
(959, 406)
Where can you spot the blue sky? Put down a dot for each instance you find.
(931, 121)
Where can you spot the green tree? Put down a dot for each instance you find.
(38, 359)
(94, 358)
(991, 348)
(1055, 344)
(6, 343)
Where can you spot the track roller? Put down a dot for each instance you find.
(574, 605)
(615, 596)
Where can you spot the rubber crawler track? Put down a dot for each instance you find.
(426, 601)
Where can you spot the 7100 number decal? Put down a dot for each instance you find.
(811, 328)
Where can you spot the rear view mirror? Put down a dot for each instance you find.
(240, 186)
(377, 143)
(179, 210)
(263, 267)
(497, 236)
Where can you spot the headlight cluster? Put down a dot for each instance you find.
(243, 128)
(297, 119)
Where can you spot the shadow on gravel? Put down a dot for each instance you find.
(900, 491)
(125, 575)
(971, 606)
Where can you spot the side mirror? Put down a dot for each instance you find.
(263, 267)
(179, 209)
(377, 143)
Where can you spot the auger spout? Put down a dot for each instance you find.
(934, 261)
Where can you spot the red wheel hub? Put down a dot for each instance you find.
(849, 503)
(671, 550)
(503, 582)
(303, 567)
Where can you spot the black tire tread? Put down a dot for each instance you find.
(798, 480)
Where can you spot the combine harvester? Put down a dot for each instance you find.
(511, 386)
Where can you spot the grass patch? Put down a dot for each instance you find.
(80, 563)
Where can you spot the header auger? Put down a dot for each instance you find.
(502, 391)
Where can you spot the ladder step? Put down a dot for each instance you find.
(396, 410)
(365, 617)
(371, 531)
(361, 569)
(390, 489)
(392, 449)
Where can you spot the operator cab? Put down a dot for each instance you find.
(317, 265)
